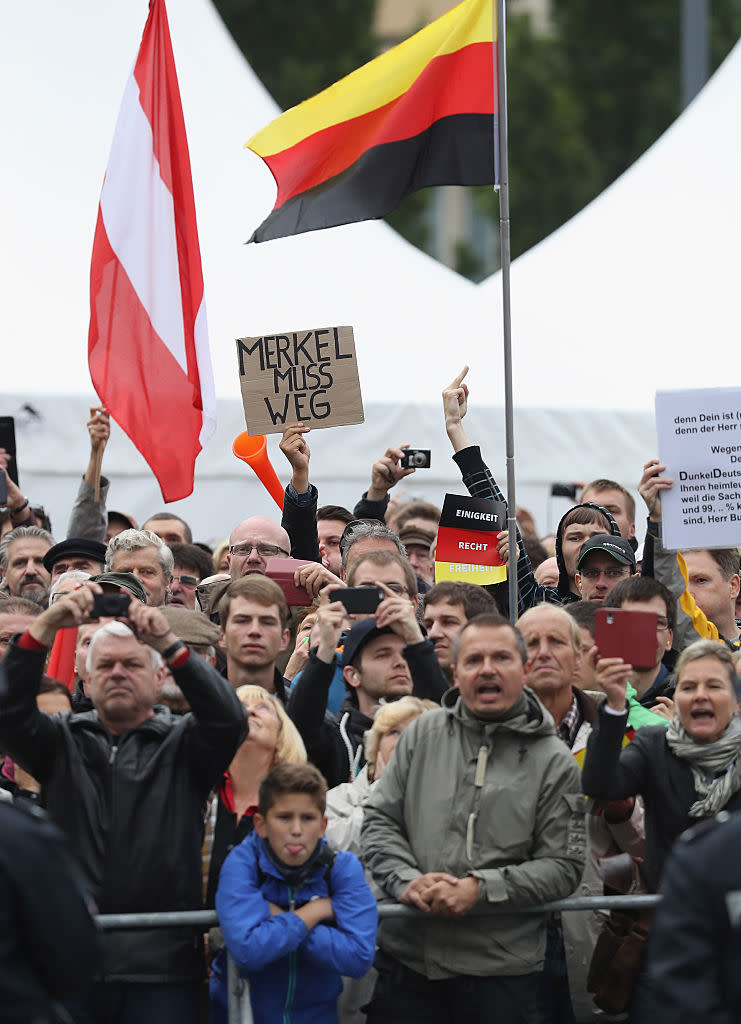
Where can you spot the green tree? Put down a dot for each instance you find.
(623, 68)
(553, 171)
(299, 49)
(585, 99)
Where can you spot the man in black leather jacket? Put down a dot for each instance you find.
(127, 783)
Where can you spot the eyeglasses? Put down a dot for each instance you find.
(661, 624)
(186, 581)
(264, 550)
(610, 574)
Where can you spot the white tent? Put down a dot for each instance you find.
(63, 69)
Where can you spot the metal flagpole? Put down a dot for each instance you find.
(500, 27)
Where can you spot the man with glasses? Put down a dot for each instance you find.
(384, 567)
(603, 561)
(644, 594)
(192, 565)
(252, 543)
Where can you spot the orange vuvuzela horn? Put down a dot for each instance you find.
(254, 451)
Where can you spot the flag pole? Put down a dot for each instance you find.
(500, 27)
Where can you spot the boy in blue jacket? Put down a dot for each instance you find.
(295, 915)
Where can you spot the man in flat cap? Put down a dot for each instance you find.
(74, 553)
(200, 634)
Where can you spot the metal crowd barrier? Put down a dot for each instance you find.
(240, 1011)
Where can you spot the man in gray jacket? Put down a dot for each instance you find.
(480, 808)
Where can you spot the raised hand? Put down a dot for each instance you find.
(455, 406)
(650, 486)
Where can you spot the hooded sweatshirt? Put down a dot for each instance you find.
(564, 588)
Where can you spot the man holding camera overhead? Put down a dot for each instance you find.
(127, 782)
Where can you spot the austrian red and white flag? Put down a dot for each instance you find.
(148, 342)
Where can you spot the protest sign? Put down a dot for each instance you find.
(311, 376)
(467, 540)
(699, 435)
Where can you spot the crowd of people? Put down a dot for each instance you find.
(295, 752)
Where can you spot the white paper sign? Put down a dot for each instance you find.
(699, 435)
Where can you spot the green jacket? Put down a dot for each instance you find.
(500, 801)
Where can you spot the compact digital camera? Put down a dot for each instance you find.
(416, 458)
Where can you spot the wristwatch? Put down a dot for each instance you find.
(172, 650)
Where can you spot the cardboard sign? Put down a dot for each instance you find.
(699, 435)
(467, 540)
(311, 376)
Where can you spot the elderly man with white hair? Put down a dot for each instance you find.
(127, 782)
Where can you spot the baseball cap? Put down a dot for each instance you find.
(361, 634)
(617, 547)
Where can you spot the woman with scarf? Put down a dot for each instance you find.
(685, 773)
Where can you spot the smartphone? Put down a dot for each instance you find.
(563, 491)
(281, 571)
(359, 600)
(112, 606)
(627, 634)
(7, 441)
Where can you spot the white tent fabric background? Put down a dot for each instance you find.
(634, 293)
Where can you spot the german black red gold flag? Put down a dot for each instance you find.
(466, 548)
(421, 114)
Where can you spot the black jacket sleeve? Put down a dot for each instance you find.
(647, 559)
(429, 682)
(692, 942)
(307, 708)
(28, 735)
(299, 522)
(610, 772)
(367, 509)
(45, 917)
(220, 722)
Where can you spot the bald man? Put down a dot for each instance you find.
(252, 543)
